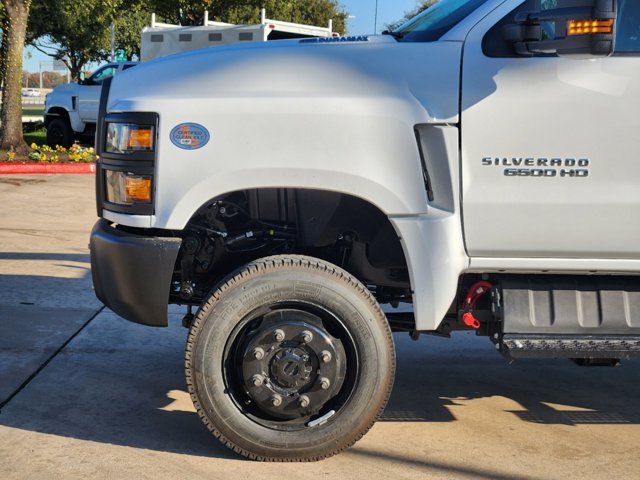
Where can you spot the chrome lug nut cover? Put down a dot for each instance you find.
(278, 334)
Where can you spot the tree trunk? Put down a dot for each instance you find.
(75, 71)
(75, 63)
(3, 49)
(17, 12)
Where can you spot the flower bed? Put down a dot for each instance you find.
(44, 159)
(46, 154)
(74, 154)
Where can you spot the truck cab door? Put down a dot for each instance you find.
(89, 93)
(550, 146)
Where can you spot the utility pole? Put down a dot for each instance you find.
(375, 20)
(113, 42)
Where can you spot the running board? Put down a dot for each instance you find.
(571, 346)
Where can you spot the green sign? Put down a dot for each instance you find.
(121, 55)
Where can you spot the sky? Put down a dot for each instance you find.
(362, 21)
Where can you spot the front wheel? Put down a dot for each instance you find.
(59, 133)
(290, 359)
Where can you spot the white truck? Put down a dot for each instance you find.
(71, 110)
(475, 169)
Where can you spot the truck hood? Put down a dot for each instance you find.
(346, 67)
(64, 88)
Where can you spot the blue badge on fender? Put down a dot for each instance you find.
(189, 136)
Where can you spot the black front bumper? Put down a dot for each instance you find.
(132, 273)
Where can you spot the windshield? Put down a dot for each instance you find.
(436, 20)
(101, 75)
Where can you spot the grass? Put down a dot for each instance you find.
(39, 137)
(33, 110)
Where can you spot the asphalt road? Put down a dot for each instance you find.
(85, 394)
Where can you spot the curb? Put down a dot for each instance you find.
(44, 168)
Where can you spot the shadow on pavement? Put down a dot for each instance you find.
(556, 391)
(434, 467)
(117, 383)
(123, 384)
(70, 257)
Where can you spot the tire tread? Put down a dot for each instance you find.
(265, 265)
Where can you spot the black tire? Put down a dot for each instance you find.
(297, 295)
(59, 132)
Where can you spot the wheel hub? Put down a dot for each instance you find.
(292, 366)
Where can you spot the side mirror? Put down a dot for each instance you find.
(576, 28)
(81, 79)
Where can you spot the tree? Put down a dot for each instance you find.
(420, 7)
(129, 22)
(49, 79)
(73, 31)
(3, 20)
(14, 30)
(186, 12)
(77, 31)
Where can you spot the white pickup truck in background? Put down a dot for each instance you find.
(71, 110)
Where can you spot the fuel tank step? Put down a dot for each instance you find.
(599, 306)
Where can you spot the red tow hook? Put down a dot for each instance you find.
(475, 292)
(470, 321)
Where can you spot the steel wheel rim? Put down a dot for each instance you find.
(238, 383)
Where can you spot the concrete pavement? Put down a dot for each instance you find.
(44, 270)
(91, 395)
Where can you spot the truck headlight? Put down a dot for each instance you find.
(126, 188)
(128, 138)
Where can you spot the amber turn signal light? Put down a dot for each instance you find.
(138, 189)
(589, 27)
(140, 139)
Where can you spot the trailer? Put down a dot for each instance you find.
(161, 39)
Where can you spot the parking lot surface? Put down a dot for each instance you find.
(84, 393)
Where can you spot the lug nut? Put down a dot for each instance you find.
(325, 383)
(325, 356)
(276, 400)
(304, 401)
(257, 380)
(278, 335)
(258, 353)
(307, 336)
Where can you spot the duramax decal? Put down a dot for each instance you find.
(544, 167)
(353, 38)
